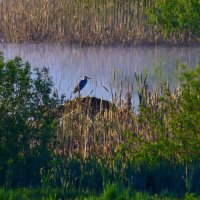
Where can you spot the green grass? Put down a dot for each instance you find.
(111, 192)
(41, 193)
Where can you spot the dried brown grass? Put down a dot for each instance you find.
(85, 133)
(84, 22)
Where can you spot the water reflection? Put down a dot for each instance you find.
(111, 67)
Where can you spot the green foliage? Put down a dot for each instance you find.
(167, 148)
(28, 122)
(114, 191)
(40, 194)
(187, 124)
(180, 16)
(111, 192)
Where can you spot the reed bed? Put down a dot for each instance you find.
(86, 130)
(88, 22)
(84, 22)
(159, 138)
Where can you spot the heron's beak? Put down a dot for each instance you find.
(88, 78)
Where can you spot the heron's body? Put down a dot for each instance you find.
(81, 85)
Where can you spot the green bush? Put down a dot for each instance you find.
(165, 155)
(28, 122)
(181, 16)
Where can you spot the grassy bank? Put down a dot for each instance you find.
(88, 22)
(46, 144)
(111, 192)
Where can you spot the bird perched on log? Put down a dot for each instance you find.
(81, 85)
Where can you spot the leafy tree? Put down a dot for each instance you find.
(181, 16)
(28, 121)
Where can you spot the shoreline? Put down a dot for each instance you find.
(112, 45)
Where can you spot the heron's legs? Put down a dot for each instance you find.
(79, 94)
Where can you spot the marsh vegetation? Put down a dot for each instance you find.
(91, 22)
(135, 133)
(76, 149)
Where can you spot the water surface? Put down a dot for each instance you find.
(112, 67)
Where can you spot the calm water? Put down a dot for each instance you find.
(68, 64)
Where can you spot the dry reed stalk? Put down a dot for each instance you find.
(83, 22)
(86, 134)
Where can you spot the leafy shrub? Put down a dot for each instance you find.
(28, 122)
(180, 16)
(165, 151)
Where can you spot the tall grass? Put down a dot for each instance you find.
(84, 22)
(150, 150)
(89, 22)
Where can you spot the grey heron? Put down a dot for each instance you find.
(81, 85)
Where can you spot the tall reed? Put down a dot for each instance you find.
(84, 22)
(162, 136)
